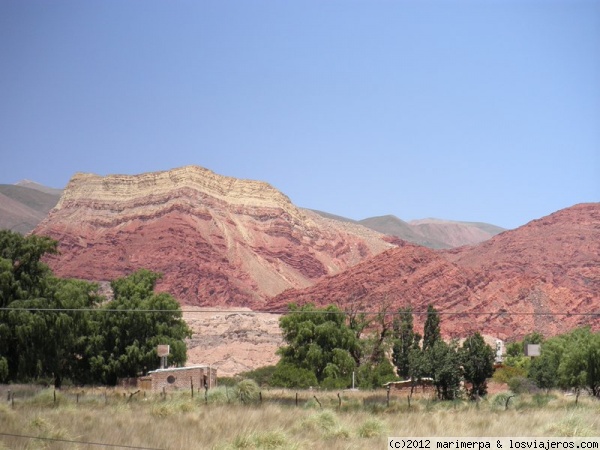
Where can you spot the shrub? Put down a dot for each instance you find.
(506, 373)
(220, 395)
(521, 385)
(248, 391)
(227, 381)
(371, 428)
(262, 375)
(289, 376)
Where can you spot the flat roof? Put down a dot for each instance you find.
(174, 369)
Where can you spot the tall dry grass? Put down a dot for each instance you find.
(362, 421)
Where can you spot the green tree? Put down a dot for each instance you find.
(319, 341)
(48, 331)
(431, 331)
(132, 325)
(22, 274)
(404, 338)
(579, 366)
(442, 362)
(477, 360)
(569, 361)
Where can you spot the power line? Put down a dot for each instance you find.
(320, 311)
(77, 442)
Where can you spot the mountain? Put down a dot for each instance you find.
(544, 276)
(432, 233)
(39, 187)
(394, 226)
(217, 240)
(454, 234)
(25, 204)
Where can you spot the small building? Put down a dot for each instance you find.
(175, 378)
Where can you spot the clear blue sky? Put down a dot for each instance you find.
(466, 110)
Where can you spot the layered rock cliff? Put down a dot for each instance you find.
(544, 276)
(217, 240)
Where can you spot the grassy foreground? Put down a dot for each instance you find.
(221, 422)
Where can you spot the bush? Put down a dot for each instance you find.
(262, 375)
(521, 385)
(371, 428)
(506, 373)
(227, 381)
(220, 395)
(289, 376)
(248, 391)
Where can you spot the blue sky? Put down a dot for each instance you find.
(466, 110)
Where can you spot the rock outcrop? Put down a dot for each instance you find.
(217, 240)
(544, 276)
(233, 341)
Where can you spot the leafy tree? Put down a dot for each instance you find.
(404, 338)
(579, 366)
(22, 274)
(319, 341)
(374, 376)
(478, 364)
(569, 361)
(131, 327)
(47, 330)
(442, 362)
(49, 344)
(431, 331)
(417, 365)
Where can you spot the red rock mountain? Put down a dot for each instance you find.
(217, 240)
(517, 282)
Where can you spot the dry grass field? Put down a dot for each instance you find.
(364, 420)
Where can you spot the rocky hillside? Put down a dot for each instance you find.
(217, 240)
(233, 341)
(544, 276)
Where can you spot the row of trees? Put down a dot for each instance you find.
(567, 361)
(326, 346)
(56, 329)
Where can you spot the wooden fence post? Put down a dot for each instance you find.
(388, 396)
(315, 397)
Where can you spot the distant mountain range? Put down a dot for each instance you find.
(25, 204)
(432, 233)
